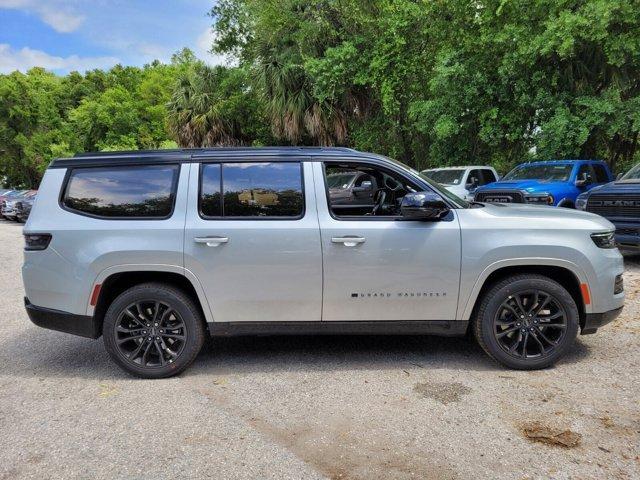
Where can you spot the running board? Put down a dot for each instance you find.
(444, 328)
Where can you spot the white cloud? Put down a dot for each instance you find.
(54, 13)
(26, 58)
(203, 46)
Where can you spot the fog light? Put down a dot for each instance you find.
(618, 285)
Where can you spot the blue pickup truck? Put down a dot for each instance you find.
(618, 202)
(553, 182)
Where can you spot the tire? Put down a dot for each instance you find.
(153, 330)
(544, 336)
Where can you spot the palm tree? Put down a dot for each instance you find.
(294, 112)
(196, 113)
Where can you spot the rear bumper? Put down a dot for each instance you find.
(593, 321)
(81, 325)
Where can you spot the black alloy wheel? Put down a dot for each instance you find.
(150, 334)
(153, 330)
(526, 321)
(530, 324)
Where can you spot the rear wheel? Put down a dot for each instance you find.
(153, 330)
(526, 321)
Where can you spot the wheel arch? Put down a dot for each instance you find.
(115, 280)
(565, 273)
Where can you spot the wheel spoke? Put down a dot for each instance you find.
(162, 360)
(128, 339)
(507, 332)
(520, 306)
(155, 312)
(171, 335)
(545, 338)
(141, 314)
(525, 340)
(122, 329)
(544, 304)
(134, 354)
(535, 337)
(145, 355)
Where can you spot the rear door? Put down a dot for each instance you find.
(252, 239)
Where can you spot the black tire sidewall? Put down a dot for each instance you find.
(178, 301)
(499, 293)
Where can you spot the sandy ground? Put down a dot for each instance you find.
(305, 408)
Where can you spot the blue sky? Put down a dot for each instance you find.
(65, 35)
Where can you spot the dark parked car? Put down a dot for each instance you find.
(23, 208)
(618, 202)
(7, 206)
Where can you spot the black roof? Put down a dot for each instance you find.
(190, 154)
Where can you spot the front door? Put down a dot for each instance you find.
(378, 267)
(252, 239)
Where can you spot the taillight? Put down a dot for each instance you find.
(36, 241)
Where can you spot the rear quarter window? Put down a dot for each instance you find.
(122, 192)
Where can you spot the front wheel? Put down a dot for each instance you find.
(526, 321)
(153, 330)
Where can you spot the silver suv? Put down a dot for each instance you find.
(156, 250)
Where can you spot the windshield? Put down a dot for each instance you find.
(558, 173)
(340, 180)
(633, 174)
(446, 177)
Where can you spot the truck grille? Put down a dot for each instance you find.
(614, 205)
(500, 196)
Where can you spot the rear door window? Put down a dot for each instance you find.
(488, 176)
(122, 192)
(245, 190)
(601, 173)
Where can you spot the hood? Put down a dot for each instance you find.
(530, 186)
(618, 187)
(548, 217)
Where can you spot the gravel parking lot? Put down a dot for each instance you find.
(315, 407)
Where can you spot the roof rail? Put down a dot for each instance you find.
(208, 149)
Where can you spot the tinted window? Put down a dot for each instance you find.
(601, 173)
(585, 173)
(210, 197)
(474, 178)
(489, 176)
(144, 191)
(252, 190)
(553, 172)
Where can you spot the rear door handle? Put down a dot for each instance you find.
(348, 240)
(213, 241)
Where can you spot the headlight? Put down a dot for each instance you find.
(604, 240)
(541, 199)
(581, 201)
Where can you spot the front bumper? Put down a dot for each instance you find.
(593, 321)
(66, 322)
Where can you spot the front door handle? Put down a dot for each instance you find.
(348, 240)
(211, 241)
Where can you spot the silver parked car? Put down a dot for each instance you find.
(155, 250)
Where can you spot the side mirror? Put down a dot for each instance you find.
(619, 176)
(472, 184)
(423, 206)
(365, 186)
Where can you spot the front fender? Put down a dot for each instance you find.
(467, 307)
